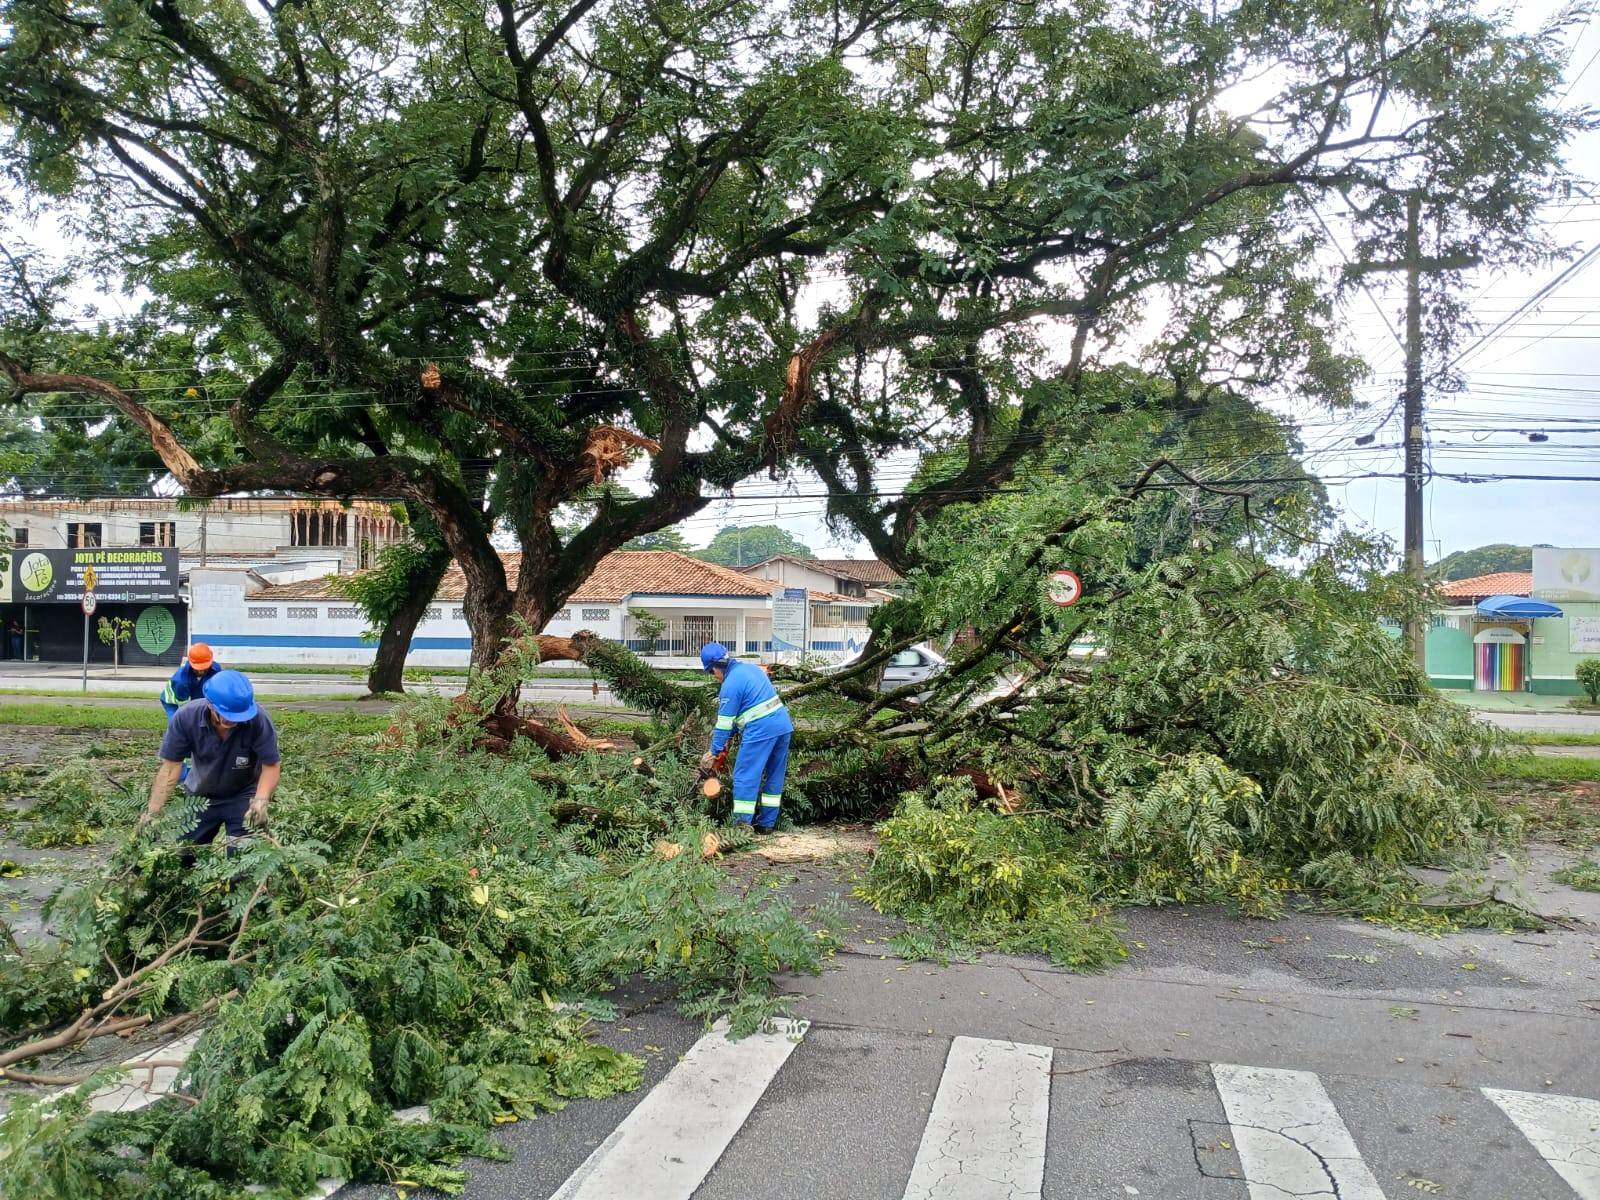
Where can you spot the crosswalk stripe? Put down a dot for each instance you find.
(1290, 1138)
(1565, 1130)
(985, 1136)
(673, 1137)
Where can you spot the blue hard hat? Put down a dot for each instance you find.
(231, 695)
(714, 654)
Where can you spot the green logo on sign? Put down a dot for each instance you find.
(155, 630)
(35, 572)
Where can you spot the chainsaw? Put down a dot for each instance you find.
(710, 785)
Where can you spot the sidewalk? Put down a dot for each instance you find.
(1513, 701)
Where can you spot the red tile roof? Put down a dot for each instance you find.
(1501, 583)
(620, 574)
(862, 570)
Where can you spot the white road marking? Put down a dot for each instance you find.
(985, 1136)
(1565, 1130)
(1290, 1139)
(668, 1144)
(143, 1086)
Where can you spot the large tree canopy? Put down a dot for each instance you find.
(476, 256)
(742, 545)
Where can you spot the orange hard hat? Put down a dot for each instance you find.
(200, 656)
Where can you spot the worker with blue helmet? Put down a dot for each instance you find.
(748, 704)
(233, 747)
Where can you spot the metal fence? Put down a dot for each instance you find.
(683, 636)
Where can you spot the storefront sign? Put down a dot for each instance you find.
(1498, 634)
(1583, 635)
(138, 574)
(1566, 574)
(155, 630)
(789, 619)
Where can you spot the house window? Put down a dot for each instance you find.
(83, 533)
(158, 533)
(562, 614)
(301, 614)
(434, 612)
(344, 614)
(19, 538)
(596, 614)
(319, 527)
(265, 613)
(458, 614)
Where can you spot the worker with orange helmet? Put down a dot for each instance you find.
(187, 683)
(188, 680)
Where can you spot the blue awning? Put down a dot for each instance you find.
(1516, 608)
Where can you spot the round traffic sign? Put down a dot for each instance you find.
(1066, 589)
(89, 604)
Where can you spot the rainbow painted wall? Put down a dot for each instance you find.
(1501, 666)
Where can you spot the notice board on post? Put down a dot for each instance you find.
(789, 620)
(135, 574)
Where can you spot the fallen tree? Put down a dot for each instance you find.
(479, 280)
(423, 924)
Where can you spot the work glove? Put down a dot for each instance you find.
(256, 815)
(708, 761)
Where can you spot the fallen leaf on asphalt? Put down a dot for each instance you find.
(1402, 1011)
(1469, 966)
(1425, 1185)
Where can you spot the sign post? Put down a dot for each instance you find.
(88, 605)
(1066, 589)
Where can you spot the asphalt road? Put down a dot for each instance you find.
(1542, 720)
(1228, 1060)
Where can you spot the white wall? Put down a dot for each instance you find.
(791, 574)
(244, 626)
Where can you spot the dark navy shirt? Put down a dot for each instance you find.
(222, 769)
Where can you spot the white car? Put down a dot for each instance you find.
(911, 665)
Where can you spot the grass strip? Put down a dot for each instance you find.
(1548, 768)
(1541, 737)
(150, 717)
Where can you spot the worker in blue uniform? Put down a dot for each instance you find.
(749, 704)
(198, 668)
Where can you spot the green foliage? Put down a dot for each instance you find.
(75, 804)
(406, 934)
(1584, 874)
(114, 632)
(1482, 560)
(1203, 724)
(1587, 673)
(972, 876)
(650, 627)
(401, 569)
(661, 539)
(742, 545)
(634, 682)
(1548, 768)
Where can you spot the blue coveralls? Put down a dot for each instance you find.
(748, 702)
(185, 685)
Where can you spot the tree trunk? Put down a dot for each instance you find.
(394, 643)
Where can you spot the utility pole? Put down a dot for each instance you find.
(1416, 634)
(1414, 265)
